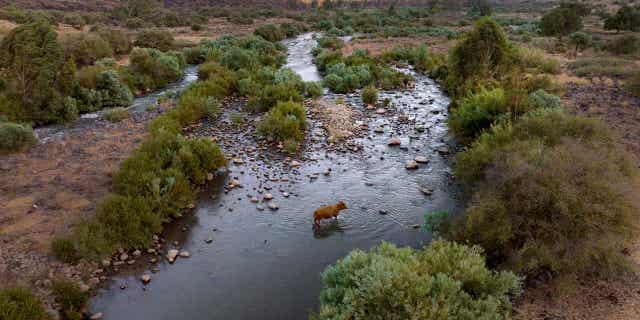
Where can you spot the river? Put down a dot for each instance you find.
(267, 264)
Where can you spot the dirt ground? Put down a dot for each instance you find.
(50, 187)
(376, 46)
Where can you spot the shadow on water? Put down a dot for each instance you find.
(267, 264)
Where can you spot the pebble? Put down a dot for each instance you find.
(421, 159)
(273, 206)
(254, 199)
(185, 254)
(146, 278)
(171, 255)
(96, 316)
(295, 163)
(382, 212)
(427, 191)
(124, 256)
(260, 208)
(381, 111)
(411, 165)
(394, 142)
(137, 253)
(268, 196)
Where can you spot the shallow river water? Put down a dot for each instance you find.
(267, 264)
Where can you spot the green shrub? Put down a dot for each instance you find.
(333, 43)
(70, 298)
(536, 59)
(115, 114)
(196, 27)
(542, 99)
(314, 89)
(580, 40)
(444, 281)
(118, 40)
(477, 112)
(370, 95)
(65, 250)
(152, 69)
(15, 137)
(627, 44)
(287, 120)
(86, 48)
(101, 88)
(270, 32)
(155, 39)
(626, 18)
(483, 55)
(237, 18)
(21, 304)
(560, 22)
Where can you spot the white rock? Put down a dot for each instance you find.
(96, 316)
(295, 163)
(209, 176)
(273, 206)
(124, 256)
(268, 196)
(381, 111)
(172, 254)
(238, 161)
(137, 253)
(185, 254)
(146, 278)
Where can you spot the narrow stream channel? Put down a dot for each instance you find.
(266, 264)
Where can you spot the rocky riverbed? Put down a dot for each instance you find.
(249, 249)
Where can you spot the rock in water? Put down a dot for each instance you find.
(273, 206)
(268, 196)
(295, 163)
(421, 159)
(394, 142)
(411, 165)
(171, 255)
(146, 278)
(185, 254)
(427, 191)
(96, 316)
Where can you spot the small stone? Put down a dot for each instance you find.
(254, 199)
(382, 212)
(137, 253)
(285, 194)
(208, 240)
(238, 161)
(273, 206)
(295, 163)
(379, 130)
(151, 251)
(443, 150)
(84, 287)
(411, 165)
(106, 263)
(209, 176)
(268, 196)
(427, 191)
(381, 111)
(415, 226)
(96, 316)
(394, 142)
(185, 254)
(171, 255)
(421, 159)
(124, 256)
(146, 278)
(260, 208)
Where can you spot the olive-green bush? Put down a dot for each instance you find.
(541, 203)
(70, 298)
(15, 137)
(476, 113)
(484, 55)
(270, 32)
(154, 38)
(152, 69)
(443, 281)
(17, 303)
(115, 114)
(287, 120)
(86, 48)
(370, 95)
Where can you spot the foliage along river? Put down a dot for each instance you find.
(267, 264)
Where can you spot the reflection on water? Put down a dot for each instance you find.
(267, 264)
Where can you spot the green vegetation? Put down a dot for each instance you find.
(118, 40)
(477, 112)
(286, 121)
(370, 95)
(443, 281)
(115, 114)
(152, 69)
(626, 18)
(86, 48)
(15, 137)
(20, 304)
(154, 38)
(70, 298)
(560, 22)
(483, 56)
(633, 84)
(580, 40)
(603, 67)
(270, 32)
(627, 44)
(549, 167)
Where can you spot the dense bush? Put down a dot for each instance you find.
(151, 69)
(154, 38)
(118, 40)
(32, 74)
(20, 304)
(287, 120)
(370, 95)
(483, 55)
(101, 88)
(270, 32)
(580, 40)
(86, 48)
(444, 281)
(541, 204)
(540, 99)
(314, 89)
(535, 58)
(476, 113)
(70, 298)
(626, 18)
(560, 22)
(15, 137)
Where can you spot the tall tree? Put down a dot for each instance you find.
(31, 58)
